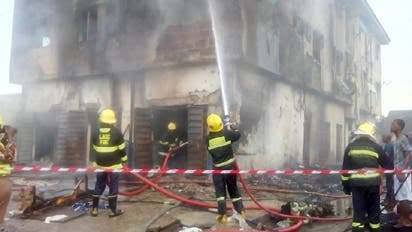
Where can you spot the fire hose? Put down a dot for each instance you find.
(187, 201)
(277, 213)
(194, 203)
(157, 178)
(288, 191)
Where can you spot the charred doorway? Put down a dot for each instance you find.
(45, 133)
(151, 125)
(161, 118)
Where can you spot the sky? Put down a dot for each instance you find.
(396, 18)
(6, 19)
(396, 57)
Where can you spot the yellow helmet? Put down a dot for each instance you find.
(107, 116)
(366, 128)
(1, 121)
(214, 123)
(171, 126)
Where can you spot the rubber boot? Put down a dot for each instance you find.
(221, 207)
(94, 212)
(243, 214)
(222, 219)
(113, 207)
(238, 206)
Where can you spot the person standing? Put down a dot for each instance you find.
(169, 142)
(389, 151)
(364, 153)
(219, 145)
(402, 159)
(6, 158)
(109, 150)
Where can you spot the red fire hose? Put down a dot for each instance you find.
(199, 203)
(155, 180)
(326, 195)
(277, 213)
(184, 200)
(187, 201)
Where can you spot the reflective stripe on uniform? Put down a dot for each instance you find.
(105, 149)
(122, 146)
(5, 169)
(104, 130)
(375, 226)
(363, 153)
(218, 142)
(357, 225)
(163, 143)
(344, 178)
(236, 199)
(124, 158)
(364, 176)
(115, 166)
(220, 199)
(227, 162)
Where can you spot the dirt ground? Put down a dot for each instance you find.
(136, 218)
(140, 211)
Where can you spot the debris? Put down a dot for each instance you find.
(30, 202)
(239, 219)
(55, 218)
(317, 209)
(81, 206)
(285, 223)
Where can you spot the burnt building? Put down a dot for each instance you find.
(299, 75)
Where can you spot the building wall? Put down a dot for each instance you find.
(270, 119)
(10, 106)
(181, 86)
(67, 95)
(284, 64)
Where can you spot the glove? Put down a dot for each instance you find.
(346, 189)
(233, 127)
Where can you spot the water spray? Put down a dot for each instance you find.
(219, 59)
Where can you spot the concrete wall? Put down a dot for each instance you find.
(165, 49)
(67, 95)
(181, 86)
(10, 107)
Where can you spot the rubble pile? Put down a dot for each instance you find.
(320, 183)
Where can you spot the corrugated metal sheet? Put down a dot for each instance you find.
(71, 142)
(25, 138)
(143, 134)
(196, 152)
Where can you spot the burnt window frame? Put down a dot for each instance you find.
(85, 26)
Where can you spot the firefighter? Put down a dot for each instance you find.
(169, 142)
(109, 150)
(219, 145)
(6, 158)
(364, 153)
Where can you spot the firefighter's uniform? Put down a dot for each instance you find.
(219, 145)
(364, 153)
(5, 171)
(109, 150)
(169, 141)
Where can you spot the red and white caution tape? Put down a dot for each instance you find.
(58, 169)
